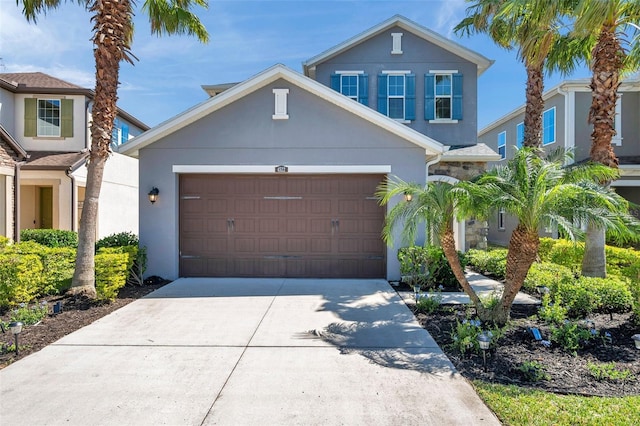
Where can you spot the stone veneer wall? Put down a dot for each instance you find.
(475, 230)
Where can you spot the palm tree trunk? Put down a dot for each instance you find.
(607, 62)
(112, 32)
(447, 241)
(534, 106)
(523, 249)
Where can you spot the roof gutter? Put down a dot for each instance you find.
(433, 161)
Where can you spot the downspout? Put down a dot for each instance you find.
(16, 201)
(74, 212)
(430, 163)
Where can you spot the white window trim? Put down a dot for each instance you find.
(617, 139)
(398, 72)
(443, 121)
(505, 144)
(350, 72)
(281, 112)
(443, 71)
(555, 125)
(435, 96)
(397, 43)
(402, 120)
(355, 98)
(59, 135)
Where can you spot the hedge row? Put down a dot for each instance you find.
(29, 270)
(490, 262)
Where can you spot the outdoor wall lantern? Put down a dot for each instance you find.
(408, 196)
(484, 340)
(636, 340)
(16, 329)
(153, 194)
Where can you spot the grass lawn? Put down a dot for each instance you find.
(519, 406)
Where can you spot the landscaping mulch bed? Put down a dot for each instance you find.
(76, 313)
(567, 373)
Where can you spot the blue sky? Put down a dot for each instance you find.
(246, 38)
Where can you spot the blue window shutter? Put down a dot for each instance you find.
(429, 97)
(382, 94)
(335, 82)
(125, 133)
(456, 113)
(410, 97)
(363, 89)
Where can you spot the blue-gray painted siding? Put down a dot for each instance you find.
(244, 133)
(419, 56)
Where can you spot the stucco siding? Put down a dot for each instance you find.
(419, 57)
(7, 118)
(244, 133)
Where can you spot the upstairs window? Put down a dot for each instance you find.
(520, 135)
(120, 133)
(352, 84)
(397, 95)
(443, 96)
(48, 117)
(549, 126)
(502, 144)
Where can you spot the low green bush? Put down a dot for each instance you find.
(545, 274)
(111, 274)
(136, 261)
(624, 262)
(120, 239)
(608, 371)
(427, 304)
(491, 262)
(4, 241)
(533, 371)
(566, 253)
(20, 278)
(413, 265)
(571, 336)
(29, 315)
(552, 313)
(50, 237)
(546, 244)
(440, 272)
(585, 295)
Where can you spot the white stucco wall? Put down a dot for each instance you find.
(118, 208)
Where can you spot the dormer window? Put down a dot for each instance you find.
(397, 43)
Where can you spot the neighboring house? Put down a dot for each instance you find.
(276, 176)
(45, 127)
(565, 126)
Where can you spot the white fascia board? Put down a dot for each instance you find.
(271, 169)
(482, 62)
(266, 77)
(634, 182)
(629, 170)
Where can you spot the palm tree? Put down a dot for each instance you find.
(614, 24)
(434, 204)
(537, 192)
(112, 37)
(531, 26)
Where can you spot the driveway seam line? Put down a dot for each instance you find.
(242, 354)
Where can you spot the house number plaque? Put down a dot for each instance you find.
(282, 169)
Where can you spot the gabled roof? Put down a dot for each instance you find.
(41, 83)
(478, 152)
(276, 72)
(400, 21)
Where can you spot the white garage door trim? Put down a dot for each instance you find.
(298, 169)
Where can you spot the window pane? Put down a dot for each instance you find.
(548, 127)
(443, 85)
(48, 117)
(520, 135)
(443, 108)
(396, 108)
(350, 86)
(396, 85)
(502, 150)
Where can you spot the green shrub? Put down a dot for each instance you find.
(4, 241)
(20, 278)
(624, 262)
(546, 274)
(136, 261)
(568, 254)
(533, 371)
(608, 371)
(465, 336)
(440, 272)
(120, 239)
(111, 274)
(492, 262)
(428, 304)
(50, 237)
(29, 315)
(58, 265)
(546, 244)
(586, 295)
(571, 336)
(413, 265)
(552, 313)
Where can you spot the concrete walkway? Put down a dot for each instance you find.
(246, 352)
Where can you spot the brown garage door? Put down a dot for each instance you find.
(281, 226)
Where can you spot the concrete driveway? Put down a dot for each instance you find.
(246, 352)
